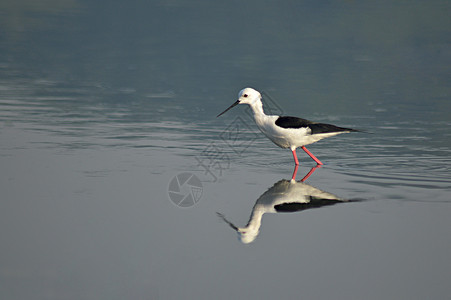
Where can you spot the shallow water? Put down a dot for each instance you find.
(114, 166)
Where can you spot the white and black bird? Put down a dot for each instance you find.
(285, 196)
(284, 131)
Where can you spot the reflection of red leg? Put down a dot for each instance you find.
(294, 172)
(311, 155)
(310, 173)
(295, 157)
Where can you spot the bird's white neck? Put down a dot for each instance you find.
(257, 109)
(255, 221)
(250, 232)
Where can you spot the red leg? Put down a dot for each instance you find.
(295, 157)
(294, 172)
(310, 173)
(311, 155)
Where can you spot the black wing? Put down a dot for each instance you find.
(314, 203)
(294, 122)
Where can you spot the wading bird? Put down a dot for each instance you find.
(287, 132)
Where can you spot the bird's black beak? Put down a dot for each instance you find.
(234, 104)
(227, 221)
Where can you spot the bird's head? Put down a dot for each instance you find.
(245, 96)
(248, 96)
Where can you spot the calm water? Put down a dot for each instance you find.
(118, 182)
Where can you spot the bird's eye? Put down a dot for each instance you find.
(245, 95)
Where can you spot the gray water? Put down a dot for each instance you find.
(114, 165)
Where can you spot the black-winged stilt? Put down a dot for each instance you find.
(284, 196)
(287, 132)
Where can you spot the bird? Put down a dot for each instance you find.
(285, 131)
(285, 196)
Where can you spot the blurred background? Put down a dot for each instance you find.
(345, 53)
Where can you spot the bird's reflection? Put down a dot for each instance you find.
(283, 197)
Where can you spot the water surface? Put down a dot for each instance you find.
(103, 106)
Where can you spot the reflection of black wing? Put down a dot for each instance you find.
(297, 206)
(294, 122)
